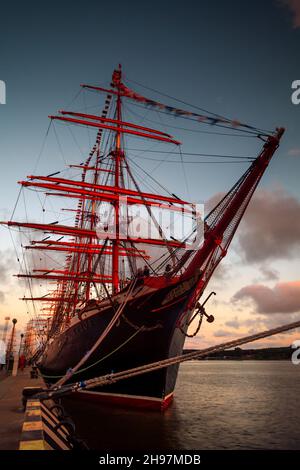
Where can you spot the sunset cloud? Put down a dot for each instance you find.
(271, 226)
(284, 297)
(8, 265)
(269, 274)
(234, 323)
(222, 333)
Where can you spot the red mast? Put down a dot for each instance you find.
(115, 254)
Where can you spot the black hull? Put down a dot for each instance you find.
(160, 339)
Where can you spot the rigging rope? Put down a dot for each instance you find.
(43, 146)
(198, 131)
(103, 335)
(99, 360)
(246, 157)
(191, 162)
(255, 132)
(187, 104)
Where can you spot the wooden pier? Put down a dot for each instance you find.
(11, 408)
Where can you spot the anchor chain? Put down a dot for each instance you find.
(200, 310)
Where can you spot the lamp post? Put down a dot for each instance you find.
(21, 343)
(20, 358)
(11, 343)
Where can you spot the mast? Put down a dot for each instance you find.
(92, 225)
(115, 254)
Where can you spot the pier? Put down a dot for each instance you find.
(11, 408)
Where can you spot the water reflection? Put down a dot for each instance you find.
(218, 404)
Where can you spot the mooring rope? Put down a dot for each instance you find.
(112, 378)
(138, 330)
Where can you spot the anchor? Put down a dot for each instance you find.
(200, 310)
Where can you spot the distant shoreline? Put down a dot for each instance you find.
(265, 354)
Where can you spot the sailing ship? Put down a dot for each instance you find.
(124, 297)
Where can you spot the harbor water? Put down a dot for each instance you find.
(218, 405)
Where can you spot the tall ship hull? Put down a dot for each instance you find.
(123, 285)
(147, 332)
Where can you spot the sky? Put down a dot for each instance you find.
(235, 58)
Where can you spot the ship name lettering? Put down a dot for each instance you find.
(179, 290)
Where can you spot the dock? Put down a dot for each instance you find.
(11, 408)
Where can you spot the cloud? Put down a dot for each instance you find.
(294, 6)
(271, 226)
(212, 202)
(284, 297)
(257, 323)
(294, 152)
(222, 272)
(8, 265)
(269, 274)
(197, 342)
(223, 333)
(234, 323)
